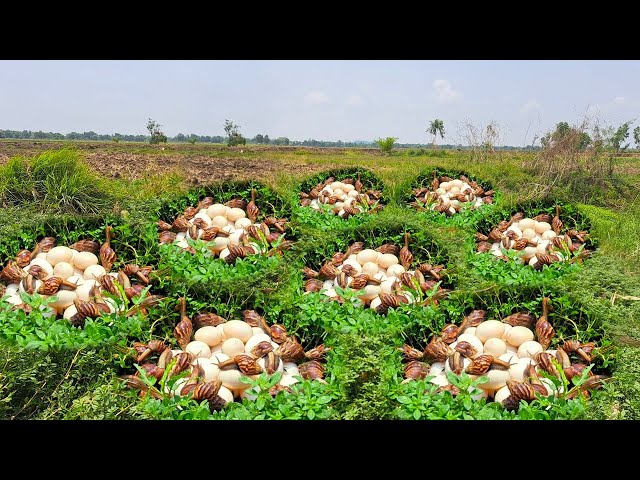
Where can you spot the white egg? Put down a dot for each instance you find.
(529, 349)
(542, 246)
(465, 364)
(497, 379)
(370, 292)
(231, 379)
(436, 368)
(518, 335)
(14, 299)
(209, 335)
(224, 253)
(234, 214)
(367, 255)
(495, 347)
(470, 331)
(512, 349)
(69, 312)
(549, 235)
(445, 185)
(489, 329)
(84, 290)
(63, 270)
(211, 371)
(473, 340)
(242, 223)
(541, 227)
(219, 221)
(93, 272)
(395, 270)
(45, 265)
(261, 362)
(509, 357)
(225, 394)
(528, 233)
(235, 238)
(237, 329)
(255, 340)
(82, 260)
(59, 254)
(256, 330)
(354, 263)
(507, 327)
(440, 380)
(501, 394)
(533, 261)
(219, 243)
(386, 260)
(204, 217)
(291, 368)
(218, 357)
(526, 223)
(515, 229)
(375, 303)
(217, 210)
(478, 395)
(65, 298)
(387, 285)
(232, 347)
(370, 268)
(76, 279)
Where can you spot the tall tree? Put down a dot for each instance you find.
(154, 130)
(233, 134)
(636, 136)
(436, 127)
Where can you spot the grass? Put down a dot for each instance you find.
(597, 300)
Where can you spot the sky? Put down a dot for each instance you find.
(326, 100)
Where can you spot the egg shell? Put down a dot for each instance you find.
(59, 254)
(175, 389)
(14, 299)
(64, 299)
(480, 393)
(217, 210)
(330, 292)
(234, 214)
(290, 368)
(209, 335)
(232, 347)
(42, 256)
(551, 387)
(255, 340)
(237, 329)
(219, 221)
(473, 340)
(93, 272)
(441, 191)
(247, 395)
(395, 270)
(76, 280)
(211, 370)
(489, 329)
(542, 246)
(204, 217)
(515, 230)
(528, 233)
(69, 312)
(495, 347)
(529, 349)
(256, 330)
(46, 266)
(470, 331)
(261, 362)
(445, 185)
(225, 394)
(541, 227)
(501, 394)
(509, 357)
(82, 260)
(231, 379)
(519, 335)
(63, 270)
(549, 235)
(216, 349)
(512, 349)
(111, 303)
(497, 379)
(219, 244)
(387, 285)
(234, 238)
(386, 260)
(370, 268)
(21, 289)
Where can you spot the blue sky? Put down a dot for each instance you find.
(328, 100)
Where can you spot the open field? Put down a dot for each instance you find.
(139, 184)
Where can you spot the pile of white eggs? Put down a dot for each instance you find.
(514, 345)
(384, 267)
(213, 345)
(346, 195)
(231, 220)
(539, 236)
(456, 195)
(79, 268)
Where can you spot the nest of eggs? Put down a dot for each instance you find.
(539, 241)
(79, 277)
(450, 196)
(383, 278)
(513, 354)
(342, 198)
(216, 354)
(231, 230)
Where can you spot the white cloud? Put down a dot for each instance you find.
(619, 100)
(530, 106)
(444, 91)
(316, 98)
(354, 100)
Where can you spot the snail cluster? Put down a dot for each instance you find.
(539, 240)
(77, 276)
(231, 230)
(450, 196)
(511, 353)
(346, 197)
(384, 276)
(217, 353)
